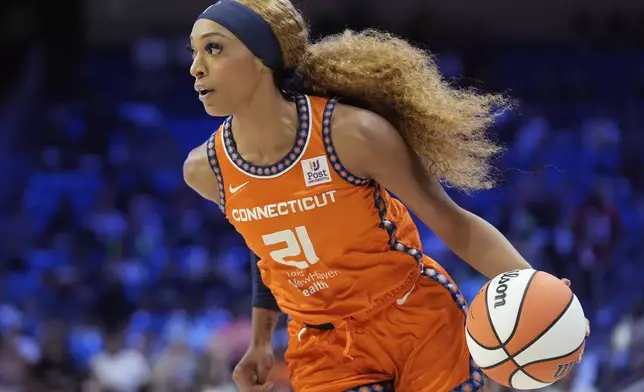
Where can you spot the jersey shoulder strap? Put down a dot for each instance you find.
(322, 110)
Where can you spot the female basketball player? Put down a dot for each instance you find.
(306, 179)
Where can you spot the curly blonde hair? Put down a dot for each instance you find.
(443, 124)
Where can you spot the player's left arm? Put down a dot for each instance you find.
(369, 146)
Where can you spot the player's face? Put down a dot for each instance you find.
(226, 73)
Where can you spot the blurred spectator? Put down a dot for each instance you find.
(596, 228)
(56, 370)
(13, 365)
(215, 371)
(175, 370)
(120, 369)
(633, 367)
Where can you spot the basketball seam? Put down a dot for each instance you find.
(522, 368)
(511, 358)
(496, 364)
(503, 346)
(552, 324)
(489, 319)
(546, 360)
(479, 343)
(527, 375)
(518, 318)
(516, 322)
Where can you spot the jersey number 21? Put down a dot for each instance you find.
(296, 242)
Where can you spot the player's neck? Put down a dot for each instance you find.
(268, 117)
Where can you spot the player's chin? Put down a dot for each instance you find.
(215, 110)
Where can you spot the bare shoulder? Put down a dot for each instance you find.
(197, 160)
(359, 124)
(198, 174)
(360, 136)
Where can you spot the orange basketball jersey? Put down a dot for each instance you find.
(331, 245)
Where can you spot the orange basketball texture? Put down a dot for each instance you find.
(526, 329)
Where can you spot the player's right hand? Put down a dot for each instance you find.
(251, 373)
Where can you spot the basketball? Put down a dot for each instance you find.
(526, 329)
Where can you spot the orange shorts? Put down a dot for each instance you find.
(416, 344)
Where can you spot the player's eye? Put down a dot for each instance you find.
(210, 48)
(191, 51)
(213, 48)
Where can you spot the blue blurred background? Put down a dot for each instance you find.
(116, 277)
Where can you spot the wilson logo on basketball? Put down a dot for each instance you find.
(563, 370)
(499, 298)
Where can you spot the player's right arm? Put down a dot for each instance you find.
(264, 322)
(199, 176)
(251, 373)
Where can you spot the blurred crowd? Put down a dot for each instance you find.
(116, 277)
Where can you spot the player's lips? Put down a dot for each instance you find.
(203, 91)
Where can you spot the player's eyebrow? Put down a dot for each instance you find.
(211, 34)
